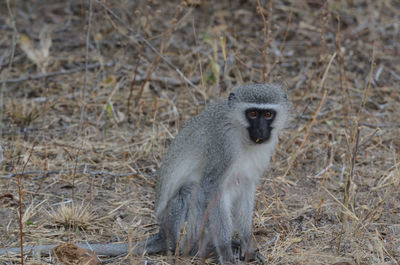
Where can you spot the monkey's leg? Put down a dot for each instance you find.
(152, 245)
(175, 217)
(170, 226)
(243, 213)
(221, 227)
(243, 222)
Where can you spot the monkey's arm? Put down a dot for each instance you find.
(109, 249)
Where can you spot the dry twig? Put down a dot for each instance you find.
(57, 73)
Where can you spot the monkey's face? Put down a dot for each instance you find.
(260, 121)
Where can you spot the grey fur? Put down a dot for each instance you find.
(209, 175)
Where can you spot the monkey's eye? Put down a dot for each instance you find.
(268, 115)
(252, 114)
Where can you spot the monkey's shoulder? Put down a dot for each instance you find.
(210, 116)
(205, 128)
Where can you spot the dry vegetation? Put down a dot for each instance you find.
(87, 118)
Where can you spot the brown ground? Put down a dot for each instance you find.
(332, 192)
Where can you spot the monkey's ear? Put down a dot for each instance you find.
(231, 99)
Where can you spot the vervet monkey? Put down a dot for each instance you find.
(207, 181)
(208, 178)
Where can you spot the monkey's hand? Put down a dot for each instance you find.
(252, 255)
(258, 257)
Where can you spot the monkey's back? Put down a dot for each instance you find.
(186, 165)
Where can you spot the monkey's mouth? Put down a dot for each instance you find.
(260, 136)
(257, 140)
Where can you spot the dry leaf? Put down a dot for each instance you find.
(71, 254)
(38, 54)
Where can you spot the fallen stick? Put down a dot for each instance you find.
(109, 249)
(383, 125)
(51, 74)
(41, 174)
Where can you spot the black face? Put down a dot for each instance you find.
(260, 124)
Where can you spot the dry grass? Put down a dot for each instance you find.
(332, 194)
(74, 216)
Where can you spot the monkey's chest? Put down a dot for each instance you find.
(250, 165)
(243, 176)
